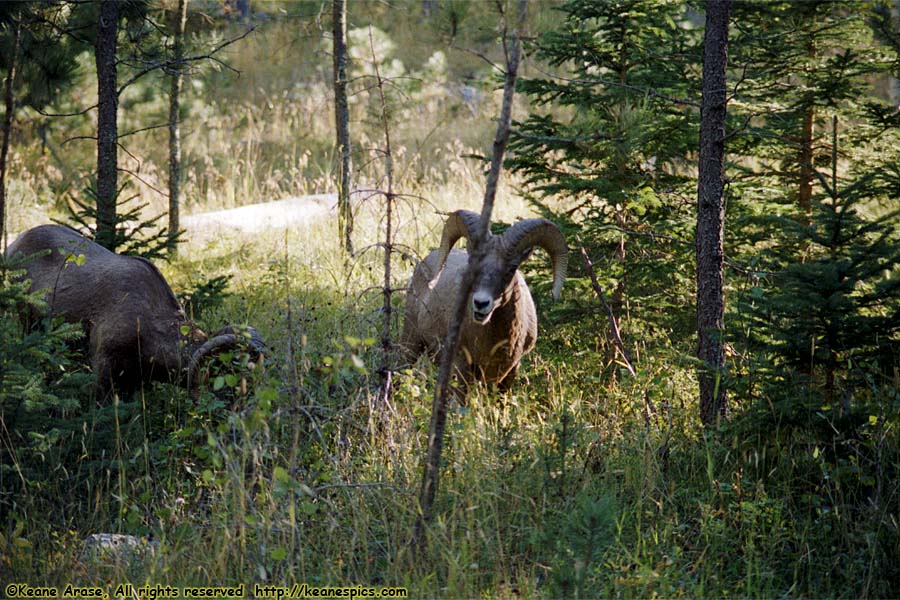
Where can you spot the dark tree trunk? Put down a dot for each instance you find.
(10, 101)
(175, 127)
(243, 7)
(342, 123)
(107, 132)
(711, 214)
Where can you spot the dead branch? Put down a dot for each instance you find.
(430, 477)
(170, 63)
(613, 324)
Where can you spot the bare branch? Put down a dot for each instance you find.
(480, 55)
(142, 180)
(143, 129)
(72, 114)
(389, 196)
(430, 476)
(170, 63)
(78, 137)
(613, 324)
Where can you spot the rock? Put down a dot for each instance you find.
(117, 548)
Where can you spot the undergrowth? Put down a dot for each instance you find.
(570, 485)
(582, 481)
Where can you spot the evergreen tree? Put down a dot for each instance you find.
(711, 214)
(37, 370)
(825, 241)
(612, 149)
(179, 21)
(9, 104)
(795, 65)
(129, 48)
(107, 122)
(342, 124)
(833, 318)
(36, 64)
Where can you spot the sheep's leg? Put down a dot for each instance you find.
(113, 371)
(505, 384)
(103, 377)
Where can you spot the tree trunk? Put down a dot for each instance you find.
(107, 132)
(804, 196)
(342, 124)
(711, 214)
(243, 8)
(175, 127)
(894, 81)
(7, 126)
(805, 157)
(431, 475)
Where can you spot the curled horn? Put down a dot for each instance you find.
(247, 335)
(211, 344)
(540, 232)
(225, 337)
(460, 223)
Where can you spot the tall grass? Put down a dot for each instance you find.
(567, 486)
(573, 484)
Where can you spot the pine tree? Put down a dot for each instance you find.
(342, 124)
(123, 37)
(795, 65)
(834, 316)
(107, 122)
(179, 20)
(711, 214)
(612, 147)
(823, 240)
(35, 65)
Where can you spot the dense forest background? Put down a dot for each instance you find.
(598, 474)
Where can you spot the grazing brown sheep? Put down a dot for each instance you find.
(136, 329)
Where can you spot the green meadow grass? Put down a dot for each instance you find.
(575, 484)
(569, 485)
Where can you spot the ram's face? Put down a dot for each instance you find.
(489, 291)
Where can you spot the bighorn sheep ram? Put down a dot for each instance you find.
(136, 329)
(501, 326)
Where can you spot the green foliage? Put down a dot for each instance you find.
(47, 61)
(41, 386)
(612, 167)
(830, 322)
(800, 64)
(818, 317)
(36, 370)
(205, 296)
(134, 235)
(582, 481)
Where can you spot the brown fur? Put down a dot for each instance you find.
(136, 329)
(489, 352)
(500, 326)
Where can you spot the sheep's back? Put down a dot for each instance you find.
(95, 282)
